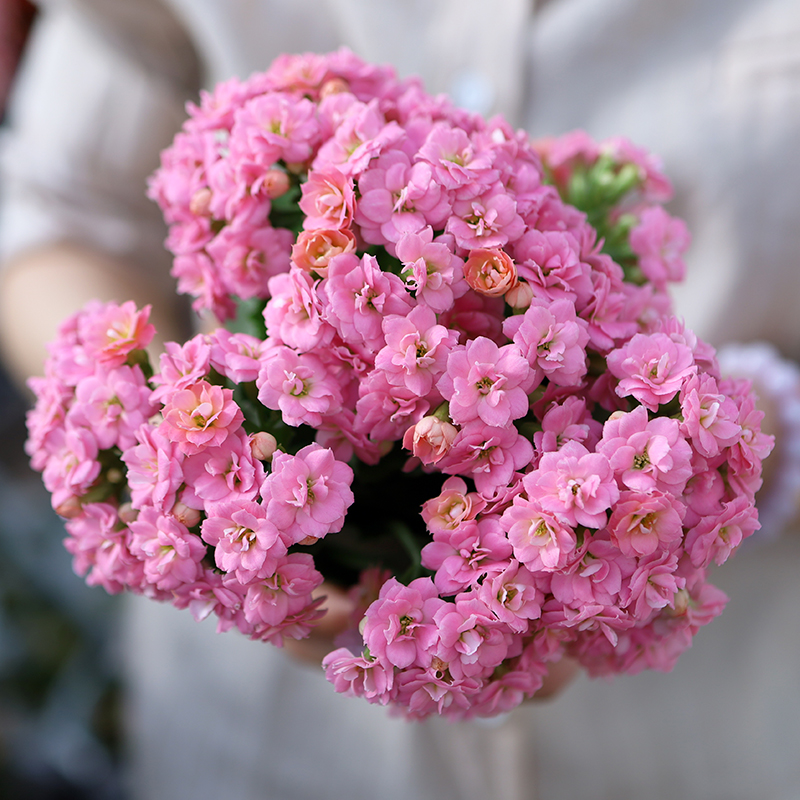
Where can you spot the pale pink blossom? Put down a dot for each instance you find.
(416, 349)
(328, 200)
(540, 540)
(431, 269)
(170, 552)
(660, 241)
(486, 382)
(574, 484)
(451, 507)
(552, 339)
(298, 385)
(647, 454)
(245, 541)
(399, 626)
(653, 369)
(110, 332)
(642, 524)
(307, 495)
(202, 415)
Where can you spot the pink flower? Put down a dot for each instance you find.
(660, 241)
(328, 200)
(223, 472)
(399, 626)
(642, 524)
(307, 495)
(314, 249)
(235, 355)
(540, 540)
(489, 455)
(275, 127)
(202, 415)
(98, 543)
(488, 221)
(358, 676)
(512, 596)
(171, 554)
(550, 262)
(451, 507)
(552, 339)
(431, 269)
(717, 536)
(464, 554)
(385, 411)
(486, 382)
(248, 256)
(471, 635)
(110, 332)
(358, 294)
(72, 466)
(273, 600)
(397, 198)
(299, 386)
(294, 315)
(112, 404)
(567, 421)
(653, 586)
(244, 540)
(155, 470)
(574, 484)
(652, 368)
(416, 349)
(454, 159)
(647, 455)
(182, 366)
(710, 419)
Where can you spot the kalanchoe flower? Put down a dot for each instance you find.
(653, 369)
(110, 333)
(446, 320)
(307, 495)
(202, 415)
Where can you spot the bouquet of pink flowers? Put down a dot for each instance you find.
(454, 385)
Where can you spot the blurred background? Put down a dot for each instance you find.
(59, 691)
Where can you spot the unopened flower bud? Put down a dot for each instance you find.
(680, 603)
(333, 86)
(127, 513)
(520, 296)
(275, 183)
(430, 439)
(69, 508)
(188, 516)
(263, 445)
(200, 204)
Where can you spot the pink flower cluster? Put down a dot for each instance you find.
(433, 291)
(165, 493)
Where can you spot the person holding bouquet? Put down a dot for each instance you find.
(108, 226)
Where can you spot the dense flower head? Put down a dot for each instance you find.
(454, 363)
